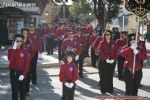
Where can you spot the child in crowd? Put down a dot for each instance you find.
(68, 76)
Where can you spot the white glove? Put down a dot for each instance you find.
(71, 85)
(142, 38)
(111, 61)
(63, 36)
(145, 61)
(15, 45)
(76, 57)
(96, 51)
(40, 56)
(67, 84)
(134, 46)
(21, 77)
(135, 51)
(108, 61)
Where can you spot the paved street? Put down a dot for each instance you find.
(83, 27)
(49, 87)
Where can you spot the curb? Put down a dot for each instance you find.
(87, 62)
(54, 65)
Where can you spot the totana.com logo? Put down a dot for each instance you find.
(24, 5)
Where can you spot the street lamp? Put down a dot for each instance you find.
(46, 14)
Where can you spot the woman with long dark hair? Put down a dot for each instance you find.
(108, 55)
(28, 45)
(19, 59)
(132, 80)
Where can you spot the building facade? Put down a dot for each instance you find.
(15, 15)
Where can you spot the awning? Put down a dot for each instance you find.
(11, 11)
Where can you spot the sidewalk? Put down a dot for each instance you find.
(45, 61)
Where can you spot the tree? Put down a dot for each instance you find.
(80, 10)
(105, 14)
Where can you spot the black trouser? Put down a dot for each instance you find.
(120, 66)
(28, 81)
(80, 62)
(31, 75)
(68, 93)
(49, 45)
(106, 76)
(141, 76)
(52, 45)
(87, 50)
(33, 66)
(132, 83)
(59, 50)
(99, 68)
(17, 86)
(94, 57)
(0, 45)
(141, 73)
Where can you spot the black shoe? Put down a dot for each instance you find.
(103, 93)
(59, 61)
(111, 92)
(35, 83)
(121, 79)
(94, 66)
(140, 85)
(27, 93)
(81, 76)
(99, 83)
(87, 56)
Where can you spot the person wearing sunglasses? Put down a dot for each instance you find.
(69, 44)
(19, 59)
(108, 56)
(132, 80)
